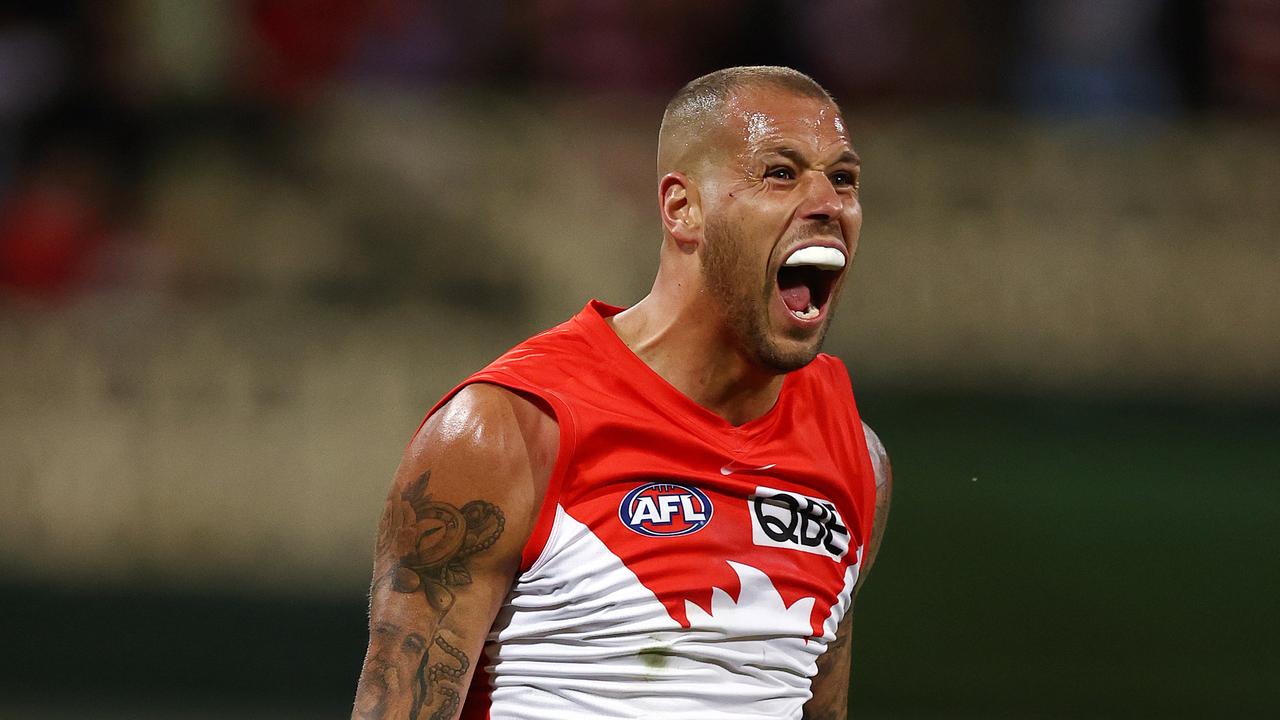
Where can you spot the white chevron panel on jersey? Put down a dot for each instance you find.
(580, 637)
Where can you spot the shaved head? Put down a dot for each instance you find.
(697, 112)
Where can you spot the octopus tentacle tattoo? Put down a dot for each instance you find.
(430, 542)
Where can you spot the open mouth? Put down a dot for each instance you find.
(806, 278)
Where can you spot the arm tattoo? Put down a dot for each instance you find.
(429, 543)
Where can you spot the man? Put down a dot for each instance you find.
(663, 511)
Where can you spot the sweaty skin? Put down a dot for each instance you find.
(773, 173)
(460, 510)
(737, 197)
(741, 187)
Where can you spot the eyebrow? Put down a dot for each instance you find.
(848, 156)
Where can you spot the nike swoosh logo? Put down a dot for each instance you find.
(733, 467)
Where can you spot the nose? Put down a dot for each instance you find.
(821, 201)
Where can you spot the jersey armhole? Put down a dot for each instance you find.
(545, 519)
(843, 380)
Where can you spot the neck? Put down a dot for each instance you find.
(673, 331)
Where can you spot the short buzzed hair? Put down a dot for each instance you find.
(710, 92)
(702, 101)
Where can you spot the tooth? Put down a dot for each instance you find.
(823, 257)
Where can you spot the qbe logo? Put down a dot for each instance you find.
(662, 509)
(790, 520)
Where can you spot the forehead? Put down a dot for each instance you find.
(759, 118)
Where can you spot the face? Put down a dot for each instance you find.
(396, 654)
(781, 223)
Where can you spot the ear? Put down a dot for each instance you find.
(681, 209)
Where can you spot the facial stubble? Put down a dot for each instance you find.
(727, 272)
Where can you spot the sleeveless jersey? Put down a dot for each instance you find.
(680, 566)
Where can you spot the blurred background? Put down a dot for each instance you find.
(244, 245)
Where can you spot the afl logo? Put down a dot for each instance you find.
(662, 509)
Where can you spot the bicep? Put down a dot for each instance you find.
(449, 542)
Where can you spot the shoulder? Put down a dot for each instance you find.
(487, 439)
(550, 350)
(482, 416)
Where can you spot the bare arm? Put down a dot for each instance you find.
(830, 699)
(460, 509)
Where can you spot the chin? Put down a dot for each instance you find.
(767, 331)
(789, 356)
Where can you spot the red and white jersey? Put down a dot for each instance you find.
(680, 567)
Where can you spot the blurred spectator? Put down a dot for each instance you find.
(33, 63)
(1245, 49)
(439, 42)
(111, 110)
(303, 43)
(861, 48)
(51, 225)
(178, 51)
(1104, 58)
(644, 46)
